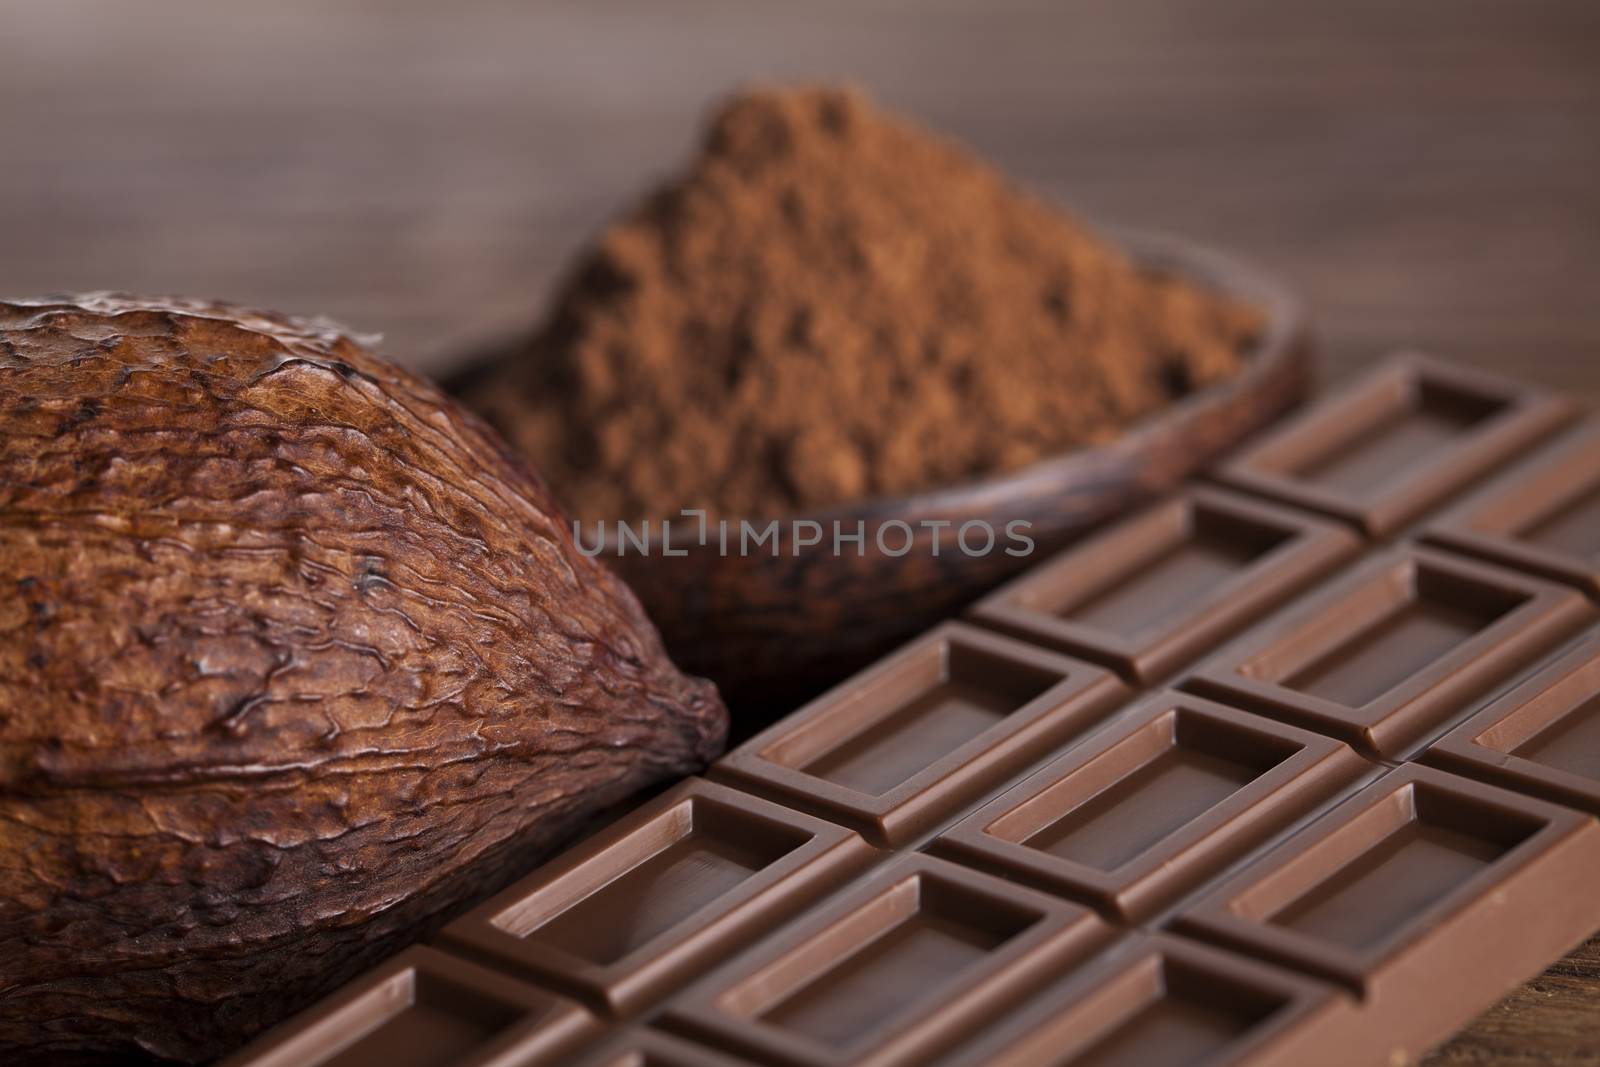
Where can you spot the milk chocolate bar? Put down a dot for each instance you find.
(622, 918)
(920, 951)
(1151, 594)
(1397, 442)
(1426, 894)
(929, 729)
(1386, 654)
(1298, 768)
(424, 1008)
(1542, 515)
(1542, 738)
(1125, 820)
(639, 1046)
(1159, 999)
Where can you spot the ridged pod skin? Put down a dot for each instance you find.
(295, 660)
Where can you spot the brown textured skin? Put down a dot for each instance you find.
(295, 658)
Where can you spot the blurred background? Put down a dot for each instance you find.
(1426, 173)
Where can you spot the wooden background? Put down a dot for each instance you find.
(1426, 172)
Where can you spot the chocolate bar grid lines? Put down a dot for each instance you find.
(1395, 649)
(919, 953)
(910, 741)
(1422, 882)
(1135, 815)
(644, 1047)
(1542, 738)
(1153, 592)
(1542, 515)
(1357, 812)
(425, 1008)
(1396, 443)
(620, 919)
(1159, 999)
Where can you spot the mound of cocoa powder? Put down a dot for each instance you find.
(831, 304)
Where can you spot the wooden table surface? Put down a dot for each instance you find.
(1426, 173)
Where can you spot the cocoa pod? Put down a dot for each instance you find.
(296, 659)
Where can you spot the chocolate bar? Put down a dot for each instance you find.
(1158, 999)
(424, 1008)
(639, 1046)
(1542, 516)
(909, 741)
(920, 952)
(1542, 738)
(1426, 894)
(1383, 655)
(1128, 819)
(1298, 766)
(1151, 594)
(1396, 443)
(685, 879)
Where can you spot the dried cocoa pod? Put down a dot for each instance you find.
(295, 659)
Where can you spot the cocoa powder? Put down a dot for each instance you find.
(831, 304)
